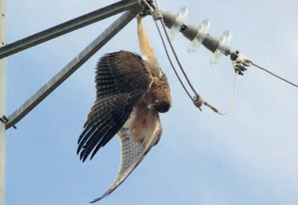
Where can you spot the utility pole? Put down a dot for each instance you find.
(2, 100)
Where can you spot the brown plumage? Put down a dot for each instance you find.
(131, 91)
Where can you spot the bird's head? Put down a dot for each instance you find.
(161, 100)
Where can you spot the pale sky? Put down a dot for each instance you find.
(246, 157)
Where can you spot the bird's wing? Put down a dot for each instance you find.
(121, 80)
(139, 134)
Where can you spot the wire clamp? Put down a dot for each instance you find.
(240, 62)
(198, 101)
(157, 15)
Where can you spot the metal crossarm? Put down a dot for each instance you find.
(68, 26)
(73, 65)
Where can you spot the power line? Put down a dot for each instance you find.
(275, 75)
(217, 46)
(197, 99)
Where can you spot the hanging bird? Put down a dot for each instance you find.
(131, 92)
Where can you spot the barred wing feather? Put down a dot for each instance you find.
(122, 80)
(134, 150)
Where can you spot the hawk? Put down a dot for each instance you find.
(131, 91)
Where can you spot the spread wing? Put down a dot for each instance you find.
(121, 80)
(139, 134)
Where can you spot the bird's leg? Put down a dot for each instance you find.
(146, 50)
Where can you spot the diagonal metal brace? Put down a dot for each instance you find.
(67, 27)
(4, 120)
(73, 65)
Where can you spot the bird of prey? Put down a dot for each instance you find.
(131, 92)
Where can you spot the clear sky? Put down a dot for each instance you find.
(246, 157)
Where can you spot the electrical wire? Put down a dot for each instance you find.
(175, 71)
(233, 98)
(174, 52)
(198, 101)
(275, 75)
(167, 53)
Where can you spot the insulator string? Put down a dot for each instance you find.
(199, 101)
